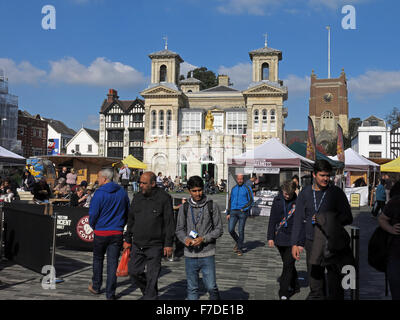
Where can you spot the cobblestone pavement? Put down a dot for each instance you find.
(253, 276)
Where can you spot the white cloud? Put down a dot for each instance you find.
(263, 7)
(101, 72)
(186, 67)
(92, 122)
(375, 83)
(240, 74)
(297, 85)
(23, 73)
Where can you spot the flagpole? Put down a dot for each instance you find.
(329, 51)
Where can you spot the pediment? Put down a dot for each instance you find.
(265, 89)
(160, 90)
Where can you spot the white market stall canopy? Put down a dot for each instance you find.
(271, 154)
(10, 158)
(355, 162)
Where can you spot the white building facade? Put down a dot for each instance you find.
(85, 142)
(372, 139)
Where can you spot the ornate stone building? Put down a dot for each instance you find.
(328, 106)
(121, 127)
(176, 139)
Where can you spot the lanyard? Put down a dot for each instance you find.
(320, 203)
(198, 218)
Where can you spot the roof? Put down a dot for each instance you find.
(356, 162)
(165, 54)
(219, 89)
(190, 80)
(266, 51)
(93, 133)
(60, 127)
(126, 105)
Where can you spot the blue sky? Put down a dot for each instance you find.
(100, 44)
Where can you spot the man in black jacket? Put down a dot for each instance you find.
(313, 200)
(150, 234)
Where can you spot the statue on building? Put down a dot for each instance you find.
(209, 123)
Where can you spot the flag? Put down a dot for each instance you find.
(310, 154)
(340, 144)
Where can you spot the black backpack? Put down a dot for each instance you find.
(378, 249)
(210, 211)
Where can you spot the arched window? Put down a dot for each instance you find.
(256, 123)
(169, 122)
(163, 73)
(153, 123)
(264, 126)
(265, 71)
(161, 123)
(272, 120)
(327, 115)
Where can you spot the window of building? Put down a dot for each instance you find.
(236, 123)
(161, 123)
(327, 115)
(115, 135)
(153, 123)
(21, 131)
(264, 126)
(115, 117)
(163, 73)
(191, 122)
(137, 117)
(256, 122)
(77, 148)
(374, 154)
(115, 152)
(272, 120)
(375, 139)
(136, 135)
(169, 122)
(218, 122)
(89, 148)
(137, 152)
(265, 71)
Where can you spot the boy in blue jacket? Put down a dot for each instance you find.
(380, 198)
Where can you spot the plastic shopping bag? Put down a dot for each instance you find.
(122, 270)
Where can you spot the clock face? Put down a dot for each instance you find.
(328, 97)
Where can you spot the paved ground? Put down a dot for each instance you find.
(252, 276)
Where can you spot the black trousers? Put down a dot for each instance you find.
(289, 272)
(150, 258)
(380, 206)
(322, 288)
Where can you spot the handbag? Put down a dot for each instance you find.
(378, 249)
(122, 270)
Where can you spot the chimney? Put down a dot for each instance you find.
(223, 80)
(112, 95)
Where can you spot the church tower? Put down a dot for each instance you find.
(328, 105)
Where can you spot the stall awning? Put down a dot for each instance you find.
(133, 163)
(392, 166)
(356, 162)
(273, 154)
(10, 158)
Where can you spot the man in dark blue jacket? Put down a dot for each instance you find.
(108, 215)
(313, 200)
(240, 202)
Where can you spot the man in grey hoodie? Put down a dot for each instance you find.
(199, 225)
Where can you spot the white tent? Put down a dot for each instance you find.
(355, 162)
(10, 158)
(271, 154)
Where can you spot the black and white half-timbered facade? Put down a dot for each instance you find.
(121, 127)
(395, 142)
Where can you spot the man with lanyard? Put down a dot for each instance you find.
(240, 202)
(312, 200)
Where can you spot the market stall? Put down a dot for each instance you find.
(273, 163)
(132, 163)
(11, 164)
(358, 171)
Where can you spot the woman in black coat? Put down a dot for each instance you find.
(28, 181)
(279, 235)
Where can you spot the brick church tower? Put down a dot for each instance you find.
(328, 105)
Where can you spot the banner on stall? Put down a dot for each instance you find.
(262, 170)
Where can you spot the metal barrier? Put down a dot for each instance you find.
(1, 230)
(355, 248)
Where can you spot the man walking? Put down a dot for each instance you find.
(312, 202)
(199, 225)
(108, 214)
(125, 173)
(150, 233)
(240, 202)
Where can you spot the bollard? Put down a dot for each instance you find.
(355, 248)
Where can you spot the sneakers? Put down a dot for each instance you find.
(239, 252)
(90, 288)
(283, 298)
(235, 249)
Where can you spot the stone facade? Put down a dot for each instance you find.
(328, 106)
(176, 142)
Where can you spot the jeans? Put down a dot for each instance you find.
(111, 245)
(236, 216)
(149, 257)
(289, 273)
(135, 186)
(207, 267)
(393, 275)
